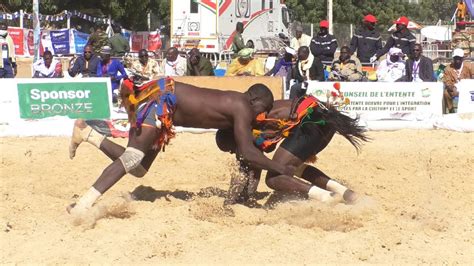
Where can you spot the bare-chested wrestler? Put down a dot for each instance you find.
(155, 109)
(316, 125)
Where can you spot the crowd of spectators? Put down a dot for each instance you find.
(304, 59)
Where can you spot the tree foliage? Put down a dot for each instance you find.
(132, 14)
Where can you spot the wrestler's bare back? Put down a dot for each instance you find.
(208, 108)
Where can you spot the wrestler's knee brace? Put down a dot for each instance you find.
(131, 159)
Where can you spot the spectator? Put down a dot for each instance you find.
(108, 67)
(245, 65)
(284, 65)
(300, 38)
(48, 67)
(419, 68)
(148, 69)
(346, 68)
(85, 65)
(456, 71)
(401, 38)
(98, 39)
(8, 67)
(393, 67)
(198, 65)
(174, 64)
(250, 44)
(461, 10)
(366, 40)
(324, 45)
(118, 43)
(307, 68)
(238, 40)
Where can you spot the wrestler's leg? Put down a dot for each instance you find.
(83, 132)
(321, 180)
(140, 141)
(290, 184)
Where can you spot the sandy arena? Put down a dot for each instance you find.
(419, 206)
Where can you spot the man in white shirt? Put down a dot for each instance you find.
(300, 39)
(173, 65)
(48, 67)
(393, 67)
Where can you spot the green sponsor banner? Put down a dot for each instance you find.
(86, 100)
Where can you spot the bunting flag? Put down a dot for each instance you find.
(59, 17)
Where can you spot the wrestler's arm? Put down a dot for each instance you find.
(242, 116)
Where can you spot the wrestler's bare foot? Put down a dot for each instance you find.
(350, 197)
(79, 134)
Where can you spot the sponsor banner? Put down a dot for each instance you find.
(80, 40)
(145, 40)
(60, 41)
(86, 99)
(466, 96)
(154, 41)
(29, 43)
(379, 100)
(17, 36)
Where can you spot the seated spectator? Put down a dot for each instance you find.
(245, 65)
(346, 67)
(284, 65)
(110, 68)
(250, 44)
(393, 67)
(456, 71)
(148, 69)
(85, 65)
(48, 67)
(174, 64)
(198, 65)
(419, 68)
(307, 68)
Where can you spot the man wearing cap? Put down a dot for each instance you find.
(7, 49)
(456, 71)
(146, 68)
(245, 65)
(108, 67)
(300, 39)
(393, 67)
(418, 68)
(401, 38)
(366, 40)
(324, 45)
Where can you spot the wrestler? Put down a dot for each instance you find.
(316, 125)
(153, 110)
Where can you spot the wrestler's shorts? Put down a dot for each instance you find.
(150, 118)
(307, 140)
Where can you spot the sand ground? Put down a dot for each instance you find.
(419, 206)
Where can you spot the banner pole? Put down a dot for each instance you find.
(36, 28)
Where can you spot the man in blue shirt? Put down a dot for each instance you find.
(85, 65)
(108, 67)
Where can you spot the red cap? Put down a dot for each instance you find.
(324, 24)
(402, 20)
(370, 18)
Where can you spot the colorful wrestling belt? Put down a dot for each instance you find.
(277, 129)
